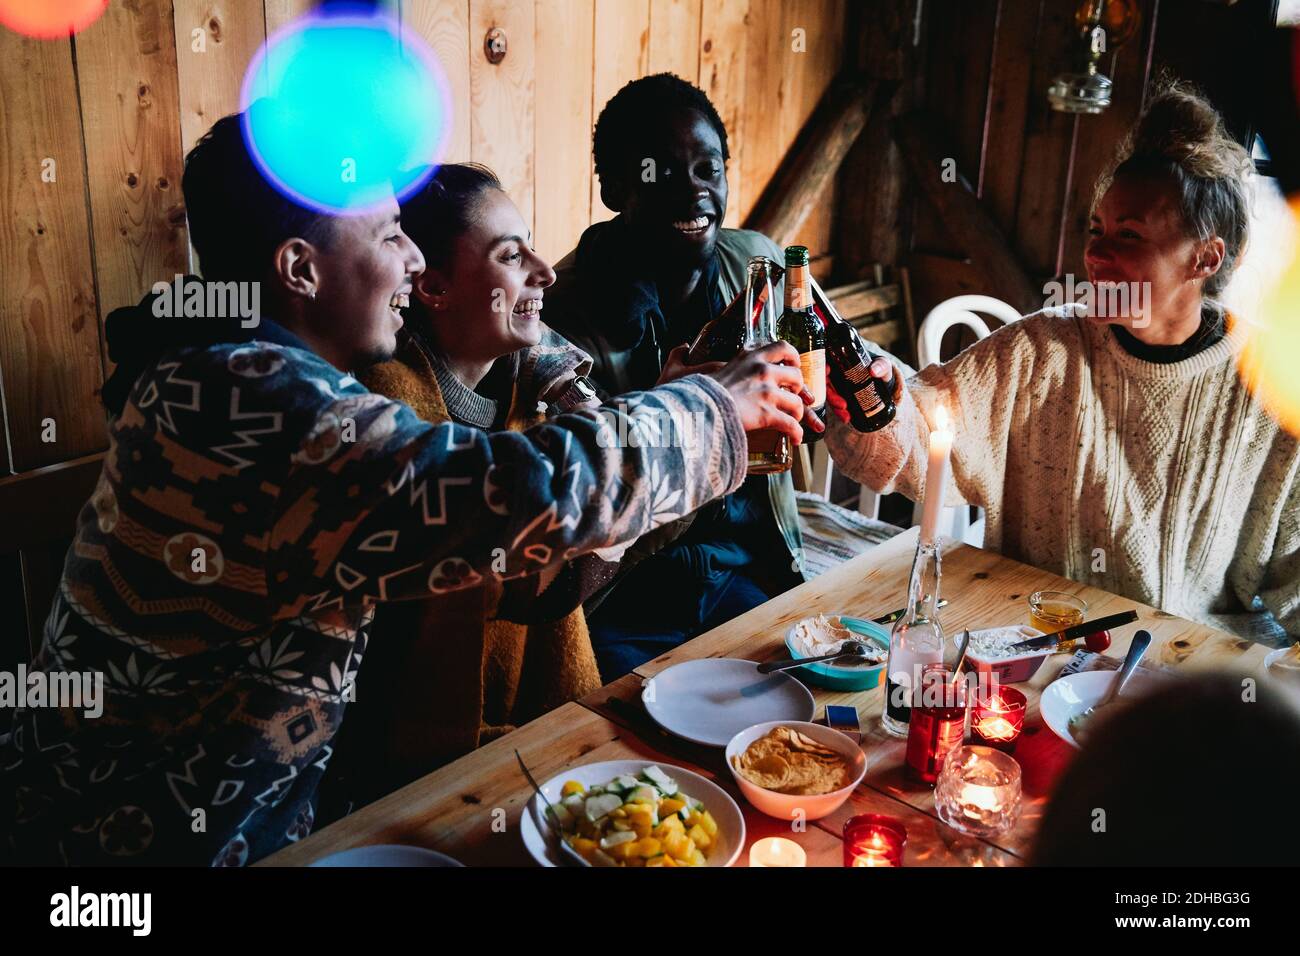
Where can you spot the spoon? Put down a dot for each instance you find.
(566, 849)
(847, 649)
(1141, 641)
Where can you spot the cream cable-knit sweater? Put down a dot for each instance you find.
(1164, 483)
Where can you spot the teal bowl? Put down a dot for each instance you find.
(840, 678)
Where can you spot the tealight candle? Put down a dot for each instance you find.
(873, 839)
(777, 851)
(936, 475)
(998, 717)
(978, 791)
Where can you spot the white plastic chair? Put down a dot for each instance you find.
(959, 310)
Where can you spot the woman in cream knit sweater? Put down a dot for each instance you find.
(1125, 451)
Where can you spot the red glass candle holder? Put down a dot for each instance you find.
(997, 718)
(873, 839)
(937, 725)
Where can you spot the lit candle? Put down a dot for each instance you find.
(872, 839)
(999, 719)
(777, 851)
(936, 474)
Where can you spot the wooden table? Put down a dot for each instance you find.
(471, 808)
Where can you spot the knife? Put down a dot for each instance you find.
(1076, 632)
(892, 616)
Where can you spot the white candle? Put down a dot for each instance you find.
(777, 851)
(936, 475)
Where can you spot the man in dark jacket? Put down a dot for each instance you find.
(634, 289)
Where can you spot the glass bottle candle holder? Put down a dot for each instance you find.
(873, 839)
(978, 791)
(997, 718)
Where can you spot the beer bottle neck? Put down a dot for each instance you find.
(798, 294)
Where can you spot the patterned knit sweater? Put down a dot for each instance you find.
(254, 504)
(1165, 483)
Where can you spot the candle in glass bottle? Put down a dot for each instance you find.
(769, 450)
(916, 640)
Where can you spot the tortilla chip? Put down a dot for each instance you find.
(787, 761)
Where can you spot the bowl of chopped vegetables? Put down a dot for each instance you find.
(638, 814)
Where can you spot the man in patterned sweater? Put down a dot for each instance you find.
(256, 501)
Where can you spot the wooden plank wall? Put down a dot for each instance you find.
(983, 68)
(93, 133)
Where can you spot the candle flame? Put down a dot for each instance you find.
(942, 420)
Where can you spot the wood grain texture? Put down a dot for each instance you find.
(444, 26)
(1008, 104)
(813, 73)
(622, 55)
(563, 166)
(130, 107)
(723, 56)
(808, 171)
(924, 149)
(957, 84)
(210, 78)
(767, 51)
(502, 97)
(49, 322)
(675, 38)
(874, 199)
(1047, 156)
(280, 13)
(984, 590)
(1100, 136)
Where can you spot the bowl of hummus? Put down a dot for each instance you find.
(822, 634)
(793, 770)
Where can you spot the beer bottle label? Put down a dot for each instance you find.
(813, 366)
(863, 391)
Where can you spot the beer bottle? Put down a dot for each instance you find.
(769, 450)
(870, 400)
(723, 337)
(800, 327)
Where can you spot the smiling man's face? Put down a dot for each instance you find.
(678, 212)
(366, 275)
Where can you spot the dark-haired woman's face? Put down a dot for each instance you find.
(491, 301)
(676, 202)
(1137, 237)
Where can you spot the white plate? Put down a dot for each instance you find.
(731, 824)
(710, 701)
(387, 855)
(1071, 695)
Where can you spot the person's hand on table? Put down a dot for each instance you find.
(768, 389)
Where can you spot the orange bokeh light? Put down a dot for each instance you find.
(50, 19)
(1272, 353)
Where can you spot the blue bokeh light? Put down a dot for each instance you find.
(344, 112)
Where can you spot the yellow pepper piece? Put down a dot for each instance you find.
(571, 787)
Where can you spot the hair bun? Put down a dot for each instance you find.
(1180, 126)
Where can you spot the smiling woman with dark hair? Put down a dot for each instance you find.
(474, 351)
